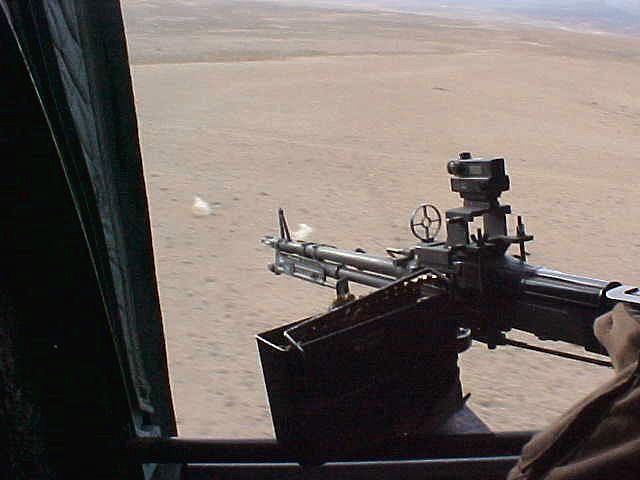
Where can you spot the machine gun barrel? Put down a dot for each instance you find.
(317, 263)
(359, 260)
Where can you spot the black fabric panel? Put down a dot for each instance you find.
(63, 405)
(77, 54)
(90, 109)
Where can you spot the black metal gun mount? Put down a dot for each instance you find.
(490, 291)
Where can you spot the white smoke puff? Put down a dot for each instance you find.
(200, 208)
(302, 232)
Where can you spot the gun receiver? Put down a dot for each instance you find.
(491, 291)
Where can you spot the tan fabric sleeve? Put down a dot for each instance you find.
(619, 333)
(599, 437)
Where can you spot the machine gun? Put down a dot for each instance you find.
(433, 298)
(498, 291)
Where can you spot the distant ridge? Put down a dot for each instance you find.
(613, 16)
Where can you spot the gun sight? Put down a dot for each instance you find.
(478, 179)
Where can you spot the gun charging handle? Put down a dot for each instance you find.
(625, 293)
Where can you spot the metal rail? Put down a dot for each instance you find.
(438, 447)
(489, 468)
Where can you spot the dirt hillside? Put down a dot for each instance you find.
(346, 119)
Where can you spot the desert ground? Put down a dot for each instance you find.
(346, 118)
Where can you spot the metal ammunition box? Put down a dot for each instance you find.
(374, 369)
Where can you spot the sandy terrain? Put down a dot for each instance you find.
(346, 119)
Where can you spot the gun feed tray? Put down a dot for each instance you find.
(370, 370)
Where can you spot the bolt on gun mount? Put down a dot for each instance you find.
(492, 291)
